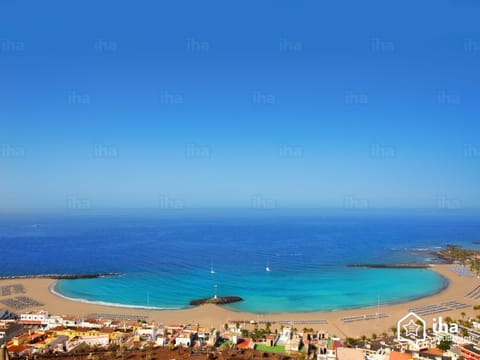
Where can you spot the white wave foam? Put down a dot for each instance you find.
(53, 290)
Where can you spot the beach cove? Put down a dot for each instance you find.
(352, 322)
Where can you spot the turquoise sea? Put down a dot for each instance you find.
(167, 258)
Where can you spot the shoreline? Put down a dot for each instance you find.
(53, 291)
(445, 284)
(454, 288)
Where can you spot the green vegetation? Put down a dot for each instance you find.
(465, 256)
(259, 334)
(444, 344)
(351, 341)
(225, 344)
(475, 265)
(457, 253)
(272, 349)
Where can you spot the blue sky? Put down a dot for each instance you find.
(263, 104)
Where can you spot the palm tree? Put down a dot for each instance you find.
(393, 329)
(350, 341)
(267, 326)
(463, 315)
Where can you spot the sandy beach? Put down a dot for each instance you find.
(216, 316)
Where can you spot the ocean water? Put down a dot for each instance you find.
(166, 258)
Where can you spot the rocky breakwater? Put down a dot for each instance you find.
(59, 276)
(218, 300)
(391, 266)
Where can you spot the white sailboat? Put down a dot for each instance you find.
(267, 268)
(212, 271)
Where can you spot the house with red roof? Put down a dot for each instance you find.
(395, 355)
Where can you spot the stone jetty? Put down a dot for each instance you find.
(218, 300)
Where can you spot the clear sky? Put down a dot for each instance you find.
(263, 104)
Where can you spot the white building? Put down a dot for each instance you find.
(145, 334)
(52, 322)
(235, 335)
(185, 339)
(294, 344)
(40, 315)
(427, 343)
(96, 340)
(69, 321)
(285, 336)
(203, 333)
(161, 340)
(91, 323)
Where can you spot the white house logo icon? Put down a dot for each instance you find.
(411, 328)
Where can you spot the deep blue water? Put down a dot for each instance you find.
(167, 257)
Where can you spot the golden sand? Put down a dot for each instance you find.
(216, 316)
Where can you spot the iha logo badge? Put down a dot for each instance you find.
(412, 329)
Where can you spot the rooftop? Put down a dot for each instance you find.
(472, 348)
(395, 355)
